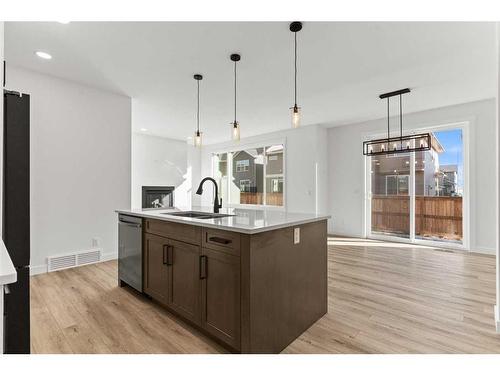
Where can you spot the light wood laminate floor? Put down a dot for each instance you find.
(383, 298)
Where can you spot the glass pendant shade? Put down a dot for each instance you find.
(296, 114)
(235, 131)
(197, 138)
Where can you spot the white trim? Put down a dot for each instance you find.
(411, 195)
(497, 318)
(483, 250)
(109, 256)
(367, 215)
(36, 270)
(389, 238)
(42, 268)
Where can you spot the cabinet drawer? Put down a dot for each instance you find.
(175, 231)
(227, 242)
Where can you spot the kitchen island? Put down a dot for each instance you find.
(252, 279)
(8, 275)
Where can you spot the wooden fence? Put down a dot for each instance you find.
(273, 199)
(434, 216)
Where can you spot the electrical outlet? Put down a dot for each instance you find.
(296, 236)
(95, 243)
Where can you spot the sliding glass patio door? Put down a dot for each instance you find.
(390, 195)
(419, 197)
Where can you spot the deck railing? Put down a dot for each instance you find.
(435, 217)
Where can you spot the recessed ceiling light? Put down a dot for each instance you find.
(43, 55)
(144, 130)
(64, 22)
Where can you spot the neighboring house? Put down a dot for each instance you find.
(274, 169)
(448, 180)
(251, 171)
(248, 170)
(391, 173)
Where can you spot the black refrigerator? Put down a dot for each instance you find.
(16, 219)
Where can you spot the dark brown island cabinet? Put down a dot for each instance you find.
(254, 293)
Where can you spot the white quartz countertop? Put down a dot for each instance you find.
(247, 221)
(8, 274)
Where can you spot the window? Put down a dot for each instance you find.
(242, 165)
(244, 185)
(397, 185)
(275, 187)
(253, 176)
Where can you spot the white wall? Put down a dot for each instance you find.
(80, 164)
(158, 161)
(346, 164)
(305, 153)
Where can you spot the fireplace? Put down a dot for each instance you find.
(157, 196)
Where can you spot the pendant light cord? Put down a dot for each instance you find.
(198, 109)
(388, 132)
(400, 116)
(400, 121)
(295, 69)
(235, 93)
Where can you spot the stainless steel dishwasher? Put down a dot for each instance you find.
(130, 251)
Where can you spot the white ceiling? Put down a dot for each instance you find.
(343, 67)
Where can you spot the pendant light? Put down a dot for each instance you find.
(295, 27)
(401, 144)
(235, 125)
(197, 133)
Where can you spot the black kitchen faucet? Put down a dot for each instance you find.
(217, 205)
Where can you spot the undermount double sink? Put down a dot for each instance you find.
(197, 214)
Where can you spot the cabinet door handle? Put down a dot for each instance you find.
(203, 267)
(170, 255)
(221, 240)
(165, 254)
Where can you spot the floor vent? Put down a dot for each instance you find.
(61, 262)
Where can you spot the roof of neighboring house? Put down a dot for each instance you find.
(436, 145)
(252, 153)
(274, 149)
(448, 168)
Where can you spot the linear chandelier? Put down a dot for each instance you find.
(401, 144)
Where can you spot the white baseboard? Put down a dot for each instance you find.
(42, 268)
(36, 270)
(109, 256)
(497, 318)
(484, 250)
